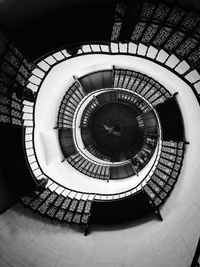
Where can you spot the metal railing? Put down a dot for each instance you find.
(107, 48)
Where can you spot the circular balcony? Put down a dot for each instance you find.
(118, 129)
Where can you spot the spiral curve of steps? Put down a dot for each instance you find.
(167, 37)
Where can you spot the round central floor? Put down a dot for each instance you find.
(115, 129)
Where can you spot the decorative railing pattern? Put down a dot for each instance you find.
(14, 72)
(91, 148)
(143, 85)
(89, 168)
(120, 12)
(161, 179)
(166, 173)
(94, 103)
(63, 205)
(69, 104)
(172, 28)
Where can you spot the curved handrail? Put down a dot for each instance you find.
(130, 55)
(170, 53)
(64, 47)
(105, 164)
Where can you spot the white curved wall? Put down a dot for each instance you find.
(50, 96)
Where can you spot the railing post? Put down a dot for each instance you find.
(196, 256)
(87, 227)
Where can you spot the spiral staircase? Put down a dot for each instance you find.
(155, 186)
(106, 75)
